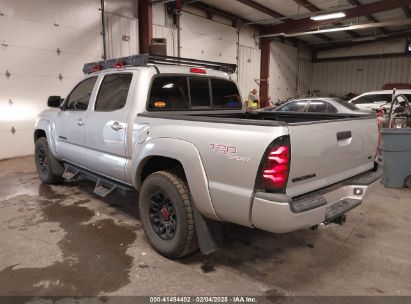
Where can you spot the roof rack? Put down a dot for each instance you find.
(146, 59)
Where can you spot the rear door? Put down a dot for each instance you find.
(106, 128)
(71, 123)
(323, 153)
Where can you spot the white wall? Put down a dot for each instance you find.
(283, 71)
(392, 46)
(304, 73)
(205, 39)
(32, 36)
(359, 75)
(31, 32)
(163, 28)
(342, 76)
(121, 28)
(216, 40)
(249, 56)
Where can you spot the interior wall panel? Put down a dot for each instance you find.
(283, 71)
(170, 34)
(304, 73)
(338, 78)
(392, 46)
(248, 70)
(122, 35)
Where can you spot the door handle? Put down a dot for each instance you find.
(116, 126)
(80, 123)
(344, 135)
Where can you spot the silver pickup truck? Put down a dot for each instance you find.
(175, 131)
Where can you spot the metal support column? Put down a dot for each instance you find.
(103, 32)
(145, 25)
(264, 70)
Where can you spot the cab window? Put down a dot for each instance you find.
(79, 98)
(225, 94)
(169, 93)
(192, 93)
(199, 92)
(113, 92)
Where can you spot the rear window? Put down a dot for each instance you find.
(225, 94)
(169, 93)
(346, 104)
(192, 93)
(199, 92)
(293, 106)
(320, 106)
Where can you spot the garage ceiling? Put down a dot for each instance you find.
(266, 13)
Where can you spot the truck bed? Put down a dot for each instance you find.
(325, 149)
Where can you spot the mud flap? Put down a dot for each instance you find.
(209, 233)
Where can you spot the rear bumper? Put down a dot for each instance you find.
(280, 213)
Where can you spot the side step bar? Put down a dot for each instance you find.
(70, 172)
(104, 186)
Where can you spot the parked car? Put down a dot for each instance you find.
(376, 100)
(317, 105)
(178, 135)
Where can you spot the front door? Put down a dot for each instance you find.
(70, 126)
(106, 127)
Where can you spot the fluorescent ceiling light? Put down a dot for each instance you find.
(328, 16)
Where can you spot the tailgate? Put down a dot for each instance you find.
(324, 153)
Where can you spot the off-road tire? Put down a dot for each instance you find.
(52, 171)
(184, 240)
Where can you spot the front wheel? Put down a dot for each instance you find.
(48, 167)
(166, 214)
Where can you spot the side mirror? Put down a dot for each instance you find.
(54, 101)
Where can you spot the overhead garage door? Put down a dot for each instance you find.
(207, 40)
(42, 53)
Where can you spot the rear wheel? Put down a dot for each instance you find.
(166, 214)
(408, 182)
(49, 169)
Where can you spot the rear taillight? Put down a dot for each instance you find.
(274, 168)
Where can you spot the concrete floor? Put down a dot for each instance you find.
(64, 240)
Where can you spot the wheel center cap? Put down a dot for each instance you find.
(165, 213)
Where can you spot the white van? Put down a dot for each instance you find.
(376, 99)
